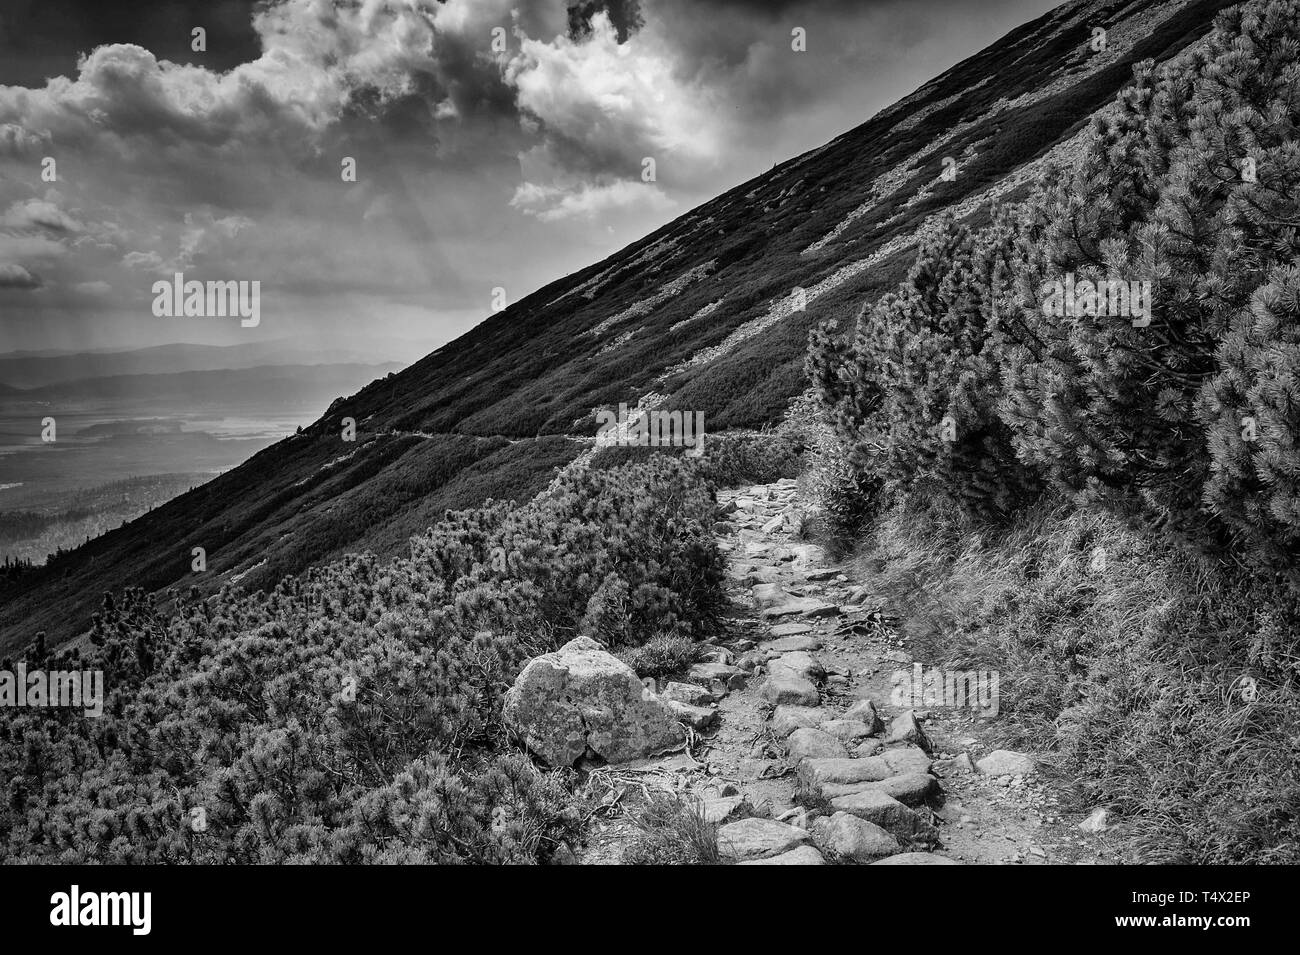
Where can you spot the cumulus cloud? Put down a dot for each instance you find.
(38, 213)
(16, 277)
(478, 166)
(600, 108)
(585, 200)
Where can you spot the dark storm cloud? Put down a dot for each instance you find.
(16, 277)
(43, 38)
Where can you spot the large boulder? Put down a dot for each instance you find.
(582, 701)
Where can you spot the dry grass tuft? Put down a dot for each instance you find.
(672, 830)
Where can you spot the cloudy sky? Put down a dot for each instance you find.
(498, 143)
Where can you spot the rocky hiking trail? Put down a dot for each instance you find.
(796, 751)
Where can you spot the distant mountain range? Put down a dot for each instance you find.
(710, 313)
(225, 387)
(28, 369)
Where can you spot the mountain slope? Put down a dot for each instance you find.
(700, 315)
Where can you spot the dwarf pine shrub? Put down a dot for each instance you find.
(914, 396)
(1184, 417)
(353, 714)
(1127, 338)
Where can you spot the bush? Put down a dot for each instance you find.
(353, 715)
(913, 398)
(732, 460)
(1187, 422)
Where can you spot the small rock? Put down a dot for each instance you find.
(808, 555)
(759, 838)
(887, 813)
(917, 858)
(790, 629)
(774, 525)
(801, 663)
(808, 743)
(724, 673)
(769, 595)
(688, 693)
(1005, 762)
(790, 644)
(848, 838)
(906, 728)
(787, 719)
(870, 747)
(865, 711)
(804, 855)
(1097, 821)
(809, 607)
(960, 765)
(786, 687)
(872, 769)
(724, 808)
(911, 789)
(847, 730)
(697, 717)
